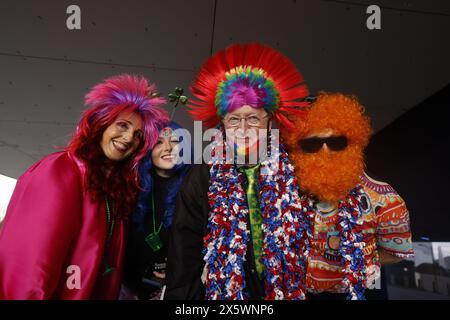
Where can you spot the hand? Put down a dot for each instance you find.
(203, 277)
(373, 273)
(159, 275)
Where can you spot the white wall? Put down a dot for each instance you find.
(7, 185)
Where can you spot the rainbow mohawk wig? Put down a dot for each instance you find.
(250, 74)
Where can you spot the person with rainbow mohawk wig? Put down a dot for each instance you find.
(66, 224)
(238, 227)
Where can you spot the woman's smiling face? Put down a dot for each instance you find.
(122, 137)
(165, 152)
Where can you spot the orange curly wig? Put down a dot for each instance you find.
(330, 175)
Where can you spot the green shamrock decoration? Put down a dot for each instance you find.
(177, 97)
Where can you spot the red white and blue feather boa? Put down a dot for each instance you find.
(284, 227)
(287, 221)
(351, 240)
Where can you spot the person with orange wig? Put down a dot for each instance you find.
(356, 222)
(65, 227)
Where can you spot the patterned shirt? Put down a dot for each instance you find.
(385, 225)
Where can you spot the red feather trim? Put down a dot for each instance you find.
(288, 80)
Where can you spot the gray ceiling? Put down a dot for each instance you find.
(45, 69)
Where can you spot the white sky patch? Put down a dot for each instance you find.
(7, 185)
(423, 253)
(441, 253)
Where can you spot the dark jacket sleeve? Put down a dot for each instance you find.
(185, 259)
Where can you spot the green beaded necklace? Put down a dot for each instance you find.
(111, 222)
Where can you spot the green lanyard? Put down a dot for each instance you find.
(111, 223)
(153, 239)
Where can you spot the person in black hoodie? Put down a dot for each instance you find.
(146, 252)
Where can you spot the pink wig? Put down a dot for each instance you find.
(123, 93)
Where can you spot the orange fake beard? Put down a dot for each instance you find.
(329, 175)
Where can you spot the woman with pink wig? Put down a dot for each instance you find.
(65, 227)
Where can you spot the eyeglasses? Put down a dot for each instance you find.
(314, 144)
(235, 121)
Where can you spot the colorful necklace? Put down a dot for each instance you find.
(284, 231)
(351, 240)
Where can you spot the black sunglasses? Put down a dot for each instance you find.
(314, 144)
